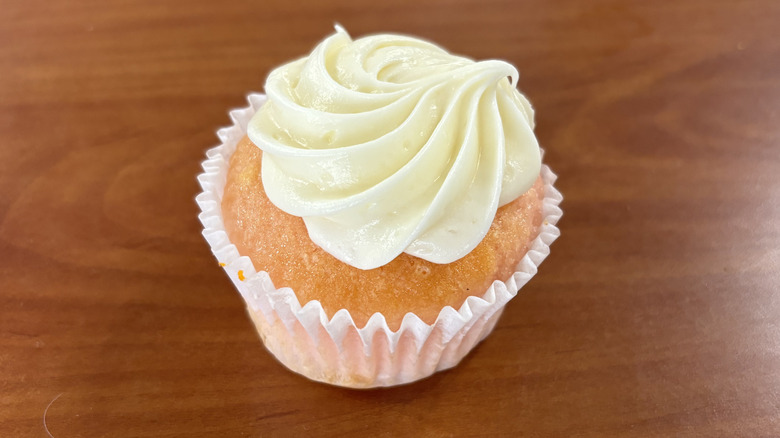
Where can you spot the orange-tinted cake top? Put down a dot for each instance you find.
(278, 243)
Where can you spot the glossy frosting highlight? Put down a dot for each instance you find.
(389, 144)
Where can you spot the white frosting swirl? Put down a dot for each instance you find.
(389, 144)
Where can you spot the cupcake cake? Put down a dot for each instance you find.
(379, 206)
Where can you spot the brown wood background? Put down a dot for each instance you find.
(657, 314)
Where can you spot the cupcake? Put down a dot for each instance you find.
(379, 185)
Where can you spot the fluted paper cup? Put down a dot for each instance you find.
(335, 350)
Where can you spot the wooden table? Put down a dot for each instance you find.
(657, 314)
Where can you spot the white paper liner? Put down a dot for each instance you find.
(336, 351)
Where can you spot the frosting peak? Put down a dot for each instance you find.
(389, 144)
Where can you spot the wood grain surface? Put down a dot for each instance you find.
(656, 315)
